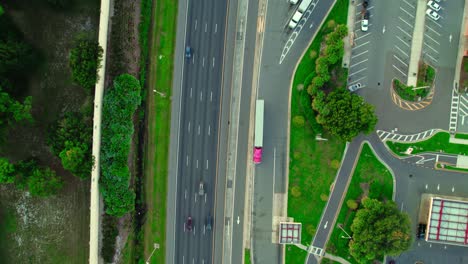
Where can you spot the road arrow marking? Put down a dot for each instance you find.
(325, 226)
(311, 25)
(438, 186)
(238, 220)
(426, 186)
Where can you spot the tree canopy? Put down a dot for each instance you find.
(379, 229)
(12, 110)
(85, 59)
(120, 103)
(344, 114)
(7, 171)
(44, 182)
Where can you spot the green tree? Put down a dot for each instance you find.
(379, 229)
(1, 10)
(12, 110)
(7, 171)
(76, 157)
(352, 204)
(85, 59)
(15, 55)
(346, 115)
(44, 182)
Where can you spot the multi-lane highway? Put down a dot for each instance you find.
(196, 108)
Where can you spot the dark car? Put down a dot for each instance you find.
(209, 222)
(366, 15)
(421, 233)
(188, 52)
(189, 224)
(365, 4)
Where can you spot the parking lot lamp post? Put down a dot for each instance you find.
(155, 246)
(340, 226)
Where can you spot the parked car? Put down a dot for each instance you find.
(365, 4)
(421, 233)
(433, 5)
(432, 14)
(365, 21)
(355, 87)
(188, 52)
(189, 224)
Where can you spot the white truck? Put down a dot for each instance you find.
(299, 13)
(258, 140)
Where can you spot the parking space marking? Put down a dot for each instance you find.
(357, 80)
(402, 51)
(404, 74)
(365, 35)
(408, 45)
(360, 45)
(427, 35)
(432, 58)
(355, 64)
(357, 72)
(436, 23)
(406, 22)
(407, 12)
(364, 52)
(437, 33)
(431, 47)
(404, 31)
(396, 57)
(409, 4)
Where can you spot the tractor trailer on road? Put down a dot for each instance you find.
(258, 141)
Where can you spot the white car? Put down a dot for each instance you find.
(432, 14)
(364, 25)
(355, 87)
(433, 5)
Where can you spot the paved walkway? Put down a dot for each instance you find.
(417, 43)
(94, 223)
(349, 40)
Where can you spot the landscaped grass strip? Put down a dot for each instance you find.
(437, 143)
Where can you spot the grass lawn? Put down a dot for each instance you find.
(438, 142)
(162, 43)
(461, 136)
(372, 179)
(247, 256)
(313, 163)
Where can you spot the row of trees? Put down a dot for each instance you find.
(342, 113)
(28, 175)
(120, 103)
(379, 229)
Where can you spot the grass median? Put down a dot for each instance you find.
(370, 179)
(161, 62)
(313, 164)
(437, 143)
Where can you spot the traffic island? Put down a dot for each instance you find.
(424, 85)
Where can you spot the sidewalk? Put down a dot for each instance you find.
(349, 40)
(416, 43)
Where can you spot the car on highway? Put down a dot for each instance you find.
(209, 222)
(188, 52)
(433, 5)
(201, 189)
(189, 224)
(355, 87)
(432, 14)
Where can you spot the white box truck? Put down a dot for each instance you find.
(299, 13)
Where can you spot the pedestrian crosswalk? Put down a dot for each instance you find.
(454, 112)
(385, 135)
(316, 251)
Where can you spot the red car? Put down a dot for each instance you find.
(188, 224)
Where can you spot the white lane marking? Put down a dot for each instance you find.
(183, 257)
(437, 23)
(358, 46)
(383, 30)
(364, 52)
(434, 39)
(213, 61)
(409, 4)
(211, 96)
(216, 28)
(402, 51)
(453, 188)
(356, 72)
(238, 220)
(187, 161)
(189, 126)
(426, 186)
(404, 74)
(407, 12)
(193, 259)
(400, 60)
(195, 197)
(438, 186)
(437, 33)
(190, 92)
(406, 22)
(203, 63)
(358, 63)
(197, 164)
(204, 229)
(206, 27)
(185, 195)
(325, 226)
(408, 45)
(196, 23)
(365, 35)
(434, 59)
(209, 129)
(198, 129)
(431, 47)
(402, 204)
(201, 96)
(205, 197)
(450, 38)
(206, 164)
(407, 34)
(357, 80)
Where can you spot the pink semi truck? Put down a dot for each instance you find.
(258, 141)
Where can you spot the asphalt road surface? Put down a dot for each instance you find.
(197, 129)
